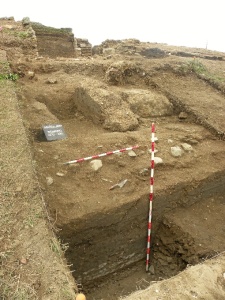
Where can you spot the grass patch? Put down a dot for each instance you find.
(9, 76)
(32, 218)
(22, 34)
(58, 247)
(18, 34)
(196, 67)
(193, 66)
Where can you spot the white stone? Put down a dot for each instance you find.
(183, 115)
(49, 180)
(60, 174)
(187, 147)
(51, 81)
(131, 153)
(158, 160)
(96, 164)
(30, 74)
(176, 151)
(122, 183)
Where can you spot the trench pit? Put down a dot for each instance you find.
(112, 237)
(106, 230)
(108, 250)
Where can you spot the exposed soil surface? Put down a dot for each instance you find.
(107, 103)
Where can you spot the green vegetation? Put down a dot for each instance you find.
(196, 67)
(9, 76)
(193, 66)
(19, 34)
(32, 218)
(22, 34)
(57, 246)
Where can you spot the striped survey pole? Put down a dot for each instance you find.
(100, 155)
(150, 198)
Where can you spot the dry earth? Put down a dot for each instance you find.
(108, 102)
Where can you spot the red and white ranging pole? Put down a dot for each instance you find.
(100, 155)
(150, 198)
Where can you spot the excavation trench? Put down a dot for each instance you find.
(109, 245)
(106, 230)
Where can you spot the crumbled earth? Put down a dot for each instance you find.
(108, 102)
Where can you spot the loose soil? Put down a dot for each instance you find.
(107, 103)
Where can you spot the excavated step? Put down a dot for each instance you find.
(197, 97)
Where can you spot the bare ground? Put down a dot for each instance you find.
(31, 256)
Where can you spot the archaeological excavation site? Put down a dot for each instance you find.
(76, 153)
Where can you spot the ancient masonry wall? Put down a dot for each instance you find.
(53, 42)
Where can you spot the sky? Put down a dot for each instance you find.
(191, 23)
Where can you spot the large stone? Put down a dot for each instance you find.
(41, 115)
(30, 74)
(187, 147)
(147, 103)
(120, 120)
(183, 115)
(176, 151)
(116, 110)
(158, 160)
(49, 180)
(96, 164)
(51, 81)
(104, 106)
(26, 21)
(131, 153)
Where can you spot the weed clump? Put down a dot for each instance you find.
(193, 66)
(196, 67)
(9, 76)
